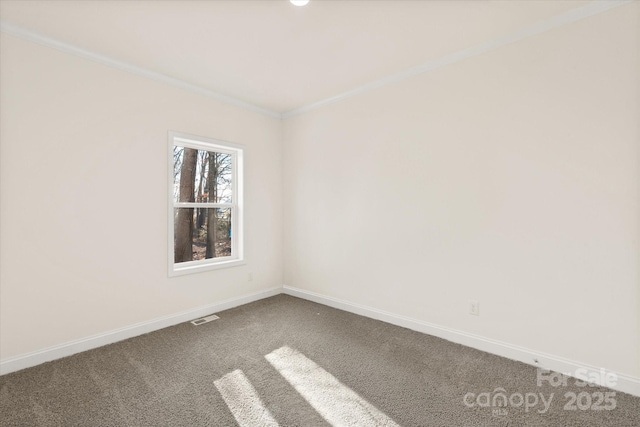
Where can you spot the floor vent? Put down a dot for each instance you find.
(206, 319)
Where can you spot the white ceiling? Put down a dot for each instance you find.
(270, 53)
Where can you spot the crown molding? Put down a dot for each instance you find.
(593, 8)
(44, 40)
(574, 15)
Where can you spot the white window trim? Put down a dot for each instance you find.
(237, 219)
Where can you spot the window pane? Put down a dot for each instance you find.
(201, 233)
(202, 176)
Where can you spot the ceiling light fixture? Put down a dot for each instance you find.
(299, 2)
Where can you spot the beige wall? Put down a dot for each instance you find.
(512, 178)
(84, 198)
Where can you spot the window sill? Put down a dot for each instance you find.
(202, 267)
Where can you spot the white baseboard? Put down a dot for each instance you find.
(624, 383)
(69, 348)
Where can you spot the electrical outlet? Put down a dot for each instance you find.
(474, 307)
(250, 276)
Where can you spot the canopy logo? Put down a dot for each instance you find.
(499, 401)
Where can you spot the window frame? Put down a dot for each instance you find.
(238, 152)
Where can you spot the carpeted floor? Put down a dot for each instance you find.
(289, 362)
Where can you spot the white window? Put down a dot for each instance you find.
(205, 204)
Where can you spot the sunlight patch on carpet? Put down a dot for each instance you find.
(337, 403)
(243, 401)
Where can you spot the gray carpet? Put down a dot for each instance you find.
(322, 366)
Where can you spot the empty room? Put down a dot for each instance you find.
(320, 213)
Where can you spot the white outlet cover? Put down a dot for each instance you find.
(474, 307)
